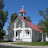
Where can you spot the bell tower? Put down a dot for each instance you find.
(22, 11)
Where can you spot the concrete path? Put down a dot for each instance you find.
(22, 46)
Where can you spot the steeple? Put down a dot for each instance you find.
(22, 11)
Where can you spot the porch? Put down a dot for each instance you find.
(22, 34)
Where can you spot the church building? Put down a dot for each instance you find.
(23, 30)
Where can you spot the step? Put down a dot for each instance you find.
(18, 41)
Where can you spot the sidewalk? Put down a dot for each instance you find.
(9, 44)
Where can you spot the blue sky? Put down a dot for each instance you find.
(31, 7)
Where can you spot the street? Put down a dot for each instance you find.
(10, 47)
(20, 47)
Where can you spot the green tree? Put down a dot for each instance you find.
(13, 17)
(3, 16)
(44, 23)
(28, 18)
(3, 32)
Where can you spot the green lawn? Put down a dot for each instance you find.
(34, 44)
(1, 41)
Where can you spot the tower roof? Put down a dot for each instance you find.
(22, 11)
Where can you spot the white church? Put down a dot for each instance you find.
(25, 31)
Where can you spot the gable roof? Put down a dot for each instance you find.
(33, 26)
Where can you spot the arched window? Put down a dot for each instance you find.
(28, 32)
(16, 33)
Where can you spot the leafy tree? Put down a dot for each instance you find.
(13, 17)
(3, 32)
(44, 23)
(3, 16)
(28, 18)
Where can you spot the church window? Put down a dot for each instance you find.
(16, 33)
(28, 32)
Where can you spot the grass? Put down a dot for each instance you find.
(1, 41)
(33, 43)
(5, 41)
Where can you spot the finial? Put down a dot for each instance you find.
(22, 6)
(22, 11)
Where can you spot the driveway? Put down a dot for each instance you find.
(9, 45)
